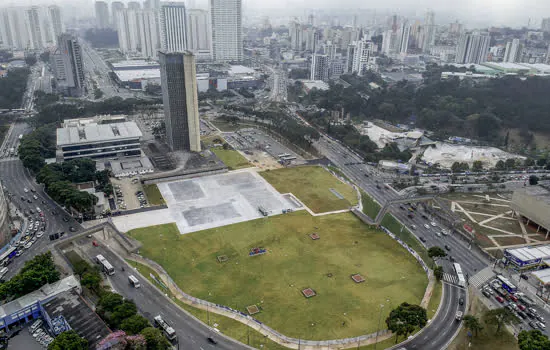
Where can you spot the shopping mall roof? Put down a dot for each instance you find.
(97, 133)
(241, 70)
(531, 253)
(137, 74)
(542, 275)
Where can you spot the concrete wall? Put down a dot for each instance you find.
(531, 207)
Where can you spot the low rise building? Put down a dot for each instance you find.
(533, 204)
(93, 140)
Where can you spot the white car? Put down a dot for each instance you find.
(40, 234)
(433, 224)
(28, 245)
(427, 226)
(26, 190)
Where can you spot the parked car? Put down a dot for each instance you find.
(499, 299)
(433, 224)
(422, 239)
(427, 226)
(447, 248)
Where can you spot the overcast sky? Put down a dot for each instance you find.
(514, 13)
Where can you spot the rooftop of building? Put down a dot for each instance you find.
(43, 293)
(542, 194)
(88, 133)
(240, 70)
(133, 63)
(318, 84)
(98, 119)
(79, 315)
(531, 253)
(506, 66)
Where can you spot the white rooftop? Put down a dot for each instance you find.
(319, 84)
(241, 70)
(133, 63)
(506, 65)
(97, 133)
(531, 253)
(136, 74)
(542, 275)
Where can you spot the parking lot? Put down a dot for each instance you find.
(125, 194)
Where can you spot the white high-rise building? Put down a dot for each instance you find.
(296, 36)
(472, 48)
(227, 31)
(148, 33)
(56, 20)
(116, 6)
(390, 42)
(404, 35)
(120, 17)
(362, 59)
(199, 35)
(320, 67)
(102, 14)
(429, 29)
(173, 27)
(35, 23)
(513, 51)
(14, 28)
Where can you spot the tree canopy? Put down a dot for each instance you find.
(404, 319)
(12, 88)
(499, 317)
(436, 252)
(533, 340)
(69, 340)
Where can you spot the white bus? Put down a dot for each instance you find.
(106, 266)
(461, 279)
(169, 332)
(282, 155)
(133, 281)
(3, 272)
(7, 256)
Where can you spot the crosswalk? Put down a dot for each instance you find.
(450, 278)
(481, 277)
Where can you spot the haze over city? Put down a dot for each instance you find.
(237, 174)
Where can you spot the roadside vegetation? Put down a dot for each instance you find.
(153, 194)
(12, 88)
(231, 158)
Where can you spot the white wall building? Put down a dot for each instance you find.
(363, 57)
(513, 51)
(102, 14)
(148, 33)
(56, 20)
(472, 48)
(199, 34)
(320, 67)
(429, 29)
(227, 37)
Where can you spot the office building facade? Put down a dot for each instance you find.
(513, 51)
(227, 34)
(320, 67)
(199, 33)
(180, 97)
(68, 66)
(56, 20)
(173, 26)
(472, 48)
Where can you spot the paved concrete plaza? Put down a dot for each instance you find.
(211, 201)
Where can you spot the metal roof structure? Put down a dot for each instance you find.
(94, 133)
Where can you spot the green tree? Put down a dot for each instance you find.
(69, 340)
(500, 165)
(80, 267)
(499, 317)
(533, 340)
(477, 166)
(155, 339)
(91, 280)
(529, 162)
(404, 319)
(109, 301)
(533, 180)
(134, 324)
(436, 252)
(510, 163)
(438, 272)
(473, 324)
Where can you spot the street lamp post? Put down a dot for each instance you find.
(378, 328)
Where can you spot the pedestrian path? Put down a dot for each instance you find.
(481, 277)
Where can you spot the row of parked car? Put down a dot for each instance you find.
(518, 303)
(39, 334)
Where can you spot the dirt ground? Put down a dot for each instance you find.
(128, 190)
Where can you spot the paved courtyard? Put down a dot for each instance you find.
(211, 201)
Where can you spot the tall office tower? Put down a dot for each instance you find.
(128, 30)
(472, 48)
(350, 54)
(116, 6)
(151, 4)
(173, 26)
(15, 28)
(198, 33)
(102, 14)
(320, 67)
(68, 66)
(134, 5)
(429, 31)
(296, 33)
(179, 94)
(513, 51)
(34, 21)
(390, 42)
(545, 25)
(404, 35)
(362, 57)
(227, 31)
(56, 20)
(310, 37)
(120, 17)
(148, 33)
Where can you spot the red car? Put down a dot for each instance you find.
(521, 307)
(499, 299)
(513, 298)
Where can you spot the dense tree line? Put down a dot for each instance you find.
(37, 272)
(479, 110)
(58, 179)
(69, 340)
(12, 88)
(37, 146)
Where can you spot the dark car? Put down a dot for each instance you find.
(211, 340)
(447, 248)
(401, 207)
(525, 277)
(533, 325)
(29, 201)
(461, 301)
(451, 259)
(411, 216)
(422, 239)
(522, 314)
(424, 216)
(366, 175)
(66, 219)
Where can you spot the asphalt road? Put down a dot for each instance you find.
(151, 302)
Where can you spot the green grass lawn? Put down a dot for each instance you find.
(153, 194)
(312, 184)
(370, 206)
(406, 236)
(435, 300)
(233, 159)
(294, 261)
(227, 326)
